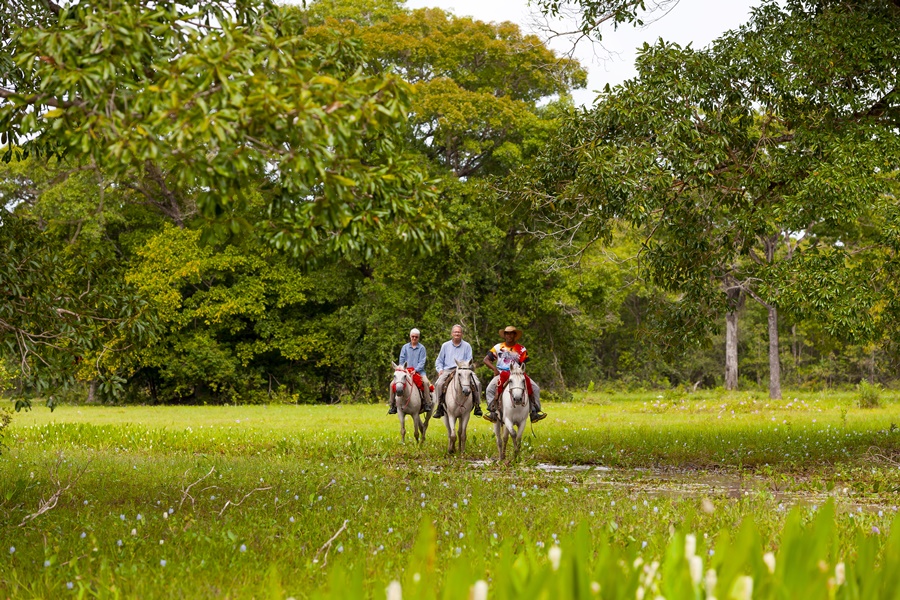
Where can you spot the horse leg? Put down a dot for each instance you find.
(517, 440)
(463, 425)
(402, 416)
(417, 423)
(504, 433)
(451, 434)
(498, 436)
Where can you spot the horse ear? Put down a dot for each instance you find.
(405, 365)
(458, 364)
(394, 365)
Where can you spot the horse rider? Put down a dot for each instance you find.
(452, 350)
(413, 355)
(500, 358)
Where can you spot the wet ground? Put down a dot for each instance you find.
(781, 489)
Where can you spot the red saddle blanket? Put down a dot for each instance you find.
(504, 377)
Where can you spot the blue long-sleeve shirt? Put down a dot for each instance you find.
(450, 354)
(414, 357)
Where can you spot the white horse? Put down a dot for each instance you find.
(408, 400)
(463, 390)
(513, 411)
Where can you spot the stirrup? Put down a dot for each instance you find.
(538, 416)
(491, 416)
(477, 410)
(439, 412)
(425, 408)
(392, 410)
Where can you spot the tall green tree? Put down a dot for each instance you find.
(210, 99)
(749, 165)
(477, 85)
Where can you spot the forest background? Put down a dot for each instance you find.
(244, 203)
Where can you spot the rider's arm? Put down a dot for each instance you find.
(489, 360)
(439, 362)
(420, 364)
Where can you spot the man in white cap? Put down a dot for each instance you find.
(413, 355)
(500, 359)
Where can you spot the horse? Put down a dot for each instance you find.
(458, 403)
(513, 411)
(409, 402)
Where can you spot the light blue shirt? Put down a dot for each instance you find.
(450, 354)
(414, 357)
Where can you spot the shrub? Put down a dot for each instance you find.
(869, 394)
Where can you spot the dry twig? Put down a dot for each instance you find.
(185, 493)
(230, 503)
(327, 545)
(50, 503)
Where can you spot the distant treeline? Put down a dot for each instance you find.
(195, 217)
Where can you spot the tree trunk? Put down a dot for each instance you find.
(731, 353)
(774, 364)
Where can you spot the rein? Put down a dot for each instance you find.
(410, 384)
(458, 380)
(522, 387)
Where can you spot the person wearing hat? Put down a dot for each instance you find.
(413, 355)
(500, 358)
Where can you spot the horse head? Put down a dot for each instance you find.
(401, 376)
(465, 376)
(516, 385)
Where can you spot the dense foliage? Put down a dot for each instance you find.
(242, 202)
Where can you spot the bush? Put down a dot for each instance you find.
(869, 394)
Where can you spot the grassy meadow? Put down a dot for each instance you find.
(285, 501)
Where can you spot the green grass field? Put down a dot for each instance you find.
(301, 501)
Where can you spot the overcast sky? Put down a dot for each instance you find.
(690, 21)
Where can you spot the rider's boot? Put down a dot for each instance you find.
(440, 411)
(393, 409)
(426, 405)
(492, 412)
(536, 415)
(440, 407)
(478, 412)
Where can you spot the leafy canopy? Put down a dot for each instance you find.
(222, 96)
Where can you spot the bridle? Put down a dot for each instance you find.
(407, 383)
(510, 386)
(458, 377)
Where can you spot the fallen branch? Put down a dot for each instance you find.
(327, 545)
(230, 503)
(185, 493)
(51, 502)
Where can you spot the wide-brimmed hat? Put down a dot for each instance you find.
(511, 329)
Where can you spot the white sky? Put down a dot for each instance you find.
(698, 22)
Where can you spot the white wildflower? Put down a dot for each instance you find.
(696, 567)
(480, 590)
(840, 576)
(394, 591)
(555, 554)
(769, 559)
(690, 545)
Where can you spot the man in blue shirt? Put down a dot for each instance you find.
(452, 350)
(413, 355)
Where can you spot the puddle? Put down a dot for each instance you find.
(666, 483)
(550, 468)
